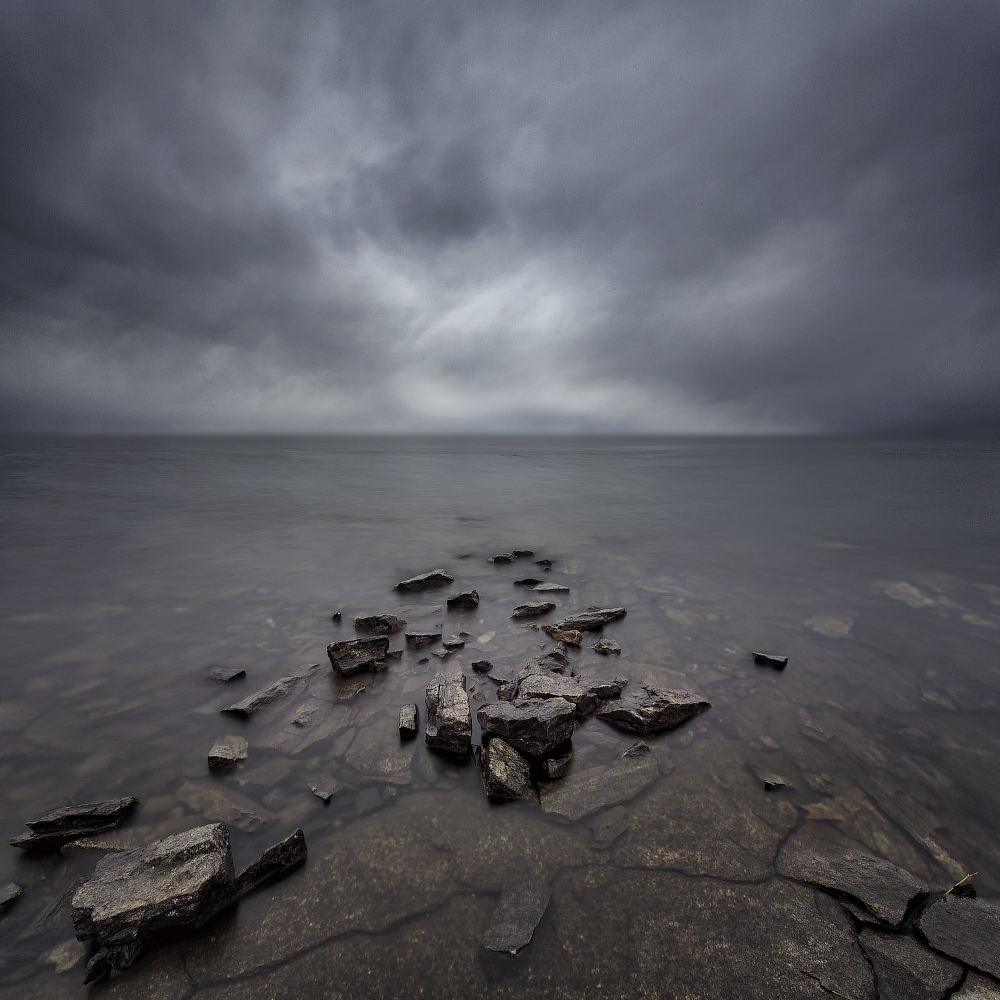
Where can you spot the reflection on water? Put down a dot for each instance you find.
(132, 566)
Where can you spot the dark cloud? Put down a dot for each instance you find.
(709, 216)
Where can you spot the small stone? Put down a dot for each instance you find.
(571, 637)
(417, 640)
(354, 655)
(321, 793)
(468, 599)
(592, 620)
(453, 643)
(379, 623)
(442, 654)
(423, 659)
(964, 929)
(449, 717)
(550, 588)
(228, 751)
(543, 562)
(223, 675)
(275, 863)
(408, 721)
(767, 660)
(9, 895)
(531, 609)
(608, 826)
(506, 774)
(336, 617)
(605, 645)
(393, 654)
(436, 578)
(905, 969)
(535, 728)
(559, 653)
(771, 782)
(274, 692)
(520, 910)
(649, 710)
(814, 732)
(482, 666)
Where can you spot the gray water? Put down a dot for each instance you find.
(131, 565)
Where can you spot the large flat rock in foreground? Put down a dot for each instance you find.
(966, 929)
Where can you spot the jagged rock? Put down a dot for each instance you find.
(408, 721)
(559, 653)
(977, 987)
(550, 588)
(506, 774)
(502, 557)
(379, 623)
(546, 664)
(275, 863)
(9, 895)
(572, 637)
(649, 710)
(771, 782)
(965, 929)
(522, 553)
(71, 822)
(531, 609)
(449, 717)
(605, 645)
(223, 675)
(420, 639)
(468, 599)
(766, 660)
(482, 666)
(882, 890)
(436, 578)
(583, 793)
(528, 581)
(520, 910)
(905, 969)
(453, 643)
(274, 692)
(591, 621)
(532, 727)
(354, 655)
(228, 751)
(423, 659)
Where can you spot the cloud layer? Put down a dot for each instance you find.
(693, 217)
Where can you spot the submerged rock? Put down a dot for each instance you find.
(583, 793)
(609, 826)
(965, 929)
(771, 782)
(436, 578)
(767, 660)
(71, 822)
(468, 599)
(550, 588)
(223, 675)
(531, 609)
(379, 623)
(605, 645)
(482, 666)
(420, 639)
(408, 721)
(639, 749)
(9, 895)
(533, 727)
(222, 805)
(274, 692)
(506, 774)
(520, 910)
(228, 751)
(648, 710)
(883, 891)
(591, 621)
(354, 655)
(905, 969)
(449, 717)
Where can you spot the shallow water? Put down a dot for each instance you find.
(131, 565)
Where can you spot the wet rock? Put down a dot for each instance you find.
(882, 890)
(905, 969)
(274, 692)
(307, 712)
(336, 617)
(767, 660)
(436, 578)
(408, 721)
(393, 654)
(449, 717)
(508, 691)
(571, 637)
(535, 728)
(965, 929)
(506, 774)
(223, 675)
(468, 599)
(228, 751)
(977, 987)
(502, 557)
(543, 562)
(322, 793)
(354, 655)
(531, 609)
(379, 623)
(274, 864)
(482, 666)
(771, 782)
(649, 710)
(528, 581)
(420, 639)
(9, 895)
(591, 621)
(71, 822)
(423, 659)
(583, 793)
(520, 910)
(536, 685)
(550, 588)
(555, 768)
(608, 826)
(606, 645)
(453, 643)
(522, 553)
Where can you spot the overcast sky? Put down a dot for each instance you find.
(703, 216)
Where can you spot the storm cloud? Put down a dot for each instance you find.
(703, 216)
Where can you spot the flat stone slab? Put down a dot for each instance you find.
(884, 891)
(449, 717)
(583, 793)
(227, 751)
(71, 822)
(520, 910)
(531, 609)
(966, 929)
(351, 656)
(9, 895)
(435, 578)
(466, 600)
(223, 675)
(905, 969)
(506, 774)
(591, 621)
(379, 623)
(535, 728)
(647, 710)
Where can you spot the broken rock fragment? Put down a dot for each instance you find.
(420, 639)
(468, 599)
(435, 578)
(71, 822)
(274, 692)
(767, 660)
(966, 929)
(379, 623)
(591, 621)
(535, 728)
(520, 910)
(649, 710)
(228, 751)
(605, 645)
(531, 609)
(449, 717)
(506, 774)
(223, 675)
(354, 655)
(482, 666)
(408, 721)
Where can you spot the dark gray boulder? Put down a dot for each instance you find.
(549, 685)
(228, 751)
(531, 609)
(354, 655)
(965, 929)
(767, 660)
(408, 721)
(605, 689)
(379, 623)
(535, 728)
(520, 910)
(449, 717)
(71, 822)
(605, 645)
(591, 621)
(9, 895)
(336, 617)
(639, 749)
(435, 578)
(648, 710)
(883, 891)
(506, 774)
(223, 675)
(905, 969)
(468, 599)
(418, 640)
(482, 666)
